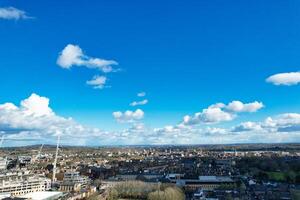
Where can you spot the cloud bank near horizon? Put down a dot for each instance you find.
(34, 118)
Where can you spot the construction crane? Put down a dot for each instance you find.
(55, 160)
(38, 156)
(40, 151)
(17, 139)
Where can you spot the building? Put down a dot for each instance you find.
(204, 182)
(24, 160)
(74, 177)
(69, 186)
(173, 177)
(22, 182)
(143, 176)
(42, 195)
(82, 194)
(3, 163)
(73, 182)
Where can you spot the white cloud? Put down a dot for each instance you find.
(287, 122)
(72, 55)
(237, 106)
(281, 128)
(98, 82)
(140, 127)
(247, 126)
(168, 129)
(139, 103)
(221, 112)
(128, 116)
(290, 78)
(141, 94)
(35, 118)
(209, 115)
(36, 105)
(12, 13)
(214, 131)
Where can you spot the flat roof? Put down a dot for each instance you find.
(207, 180)
(41, 195)
(215, 178)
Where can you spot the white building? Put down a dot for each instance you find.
(24, 160)
(42, 195)
(22, 182)
(3, 163)
(74, 177)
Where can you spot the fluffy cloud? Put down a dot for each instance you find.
(72, 55)
(139, 103)
(281, 128)
(32, 114)
(128, 116)
(213, 131)
(209, 115)
(186, 131)
(291, 78)
(247, 126)
(141, 94)
(98, 82)
(36, 105)
(221, 112)
(33, 118)
(140, 127)
(170, 129)
(287, 122)
(237, 106)
(12, 13)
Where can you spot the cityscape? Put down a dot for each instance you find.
(248, 171)
(149, 100)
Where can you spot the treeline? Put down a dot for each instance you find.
(142, 190)
(269, 164)
(274, 168)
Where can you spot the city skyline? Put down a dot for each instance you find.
(116, 73)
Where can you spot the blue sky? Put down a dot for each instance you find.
(186, 56)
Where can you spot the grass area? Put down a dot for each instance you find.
(295, 194)
(289, 176)
(277, 176)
